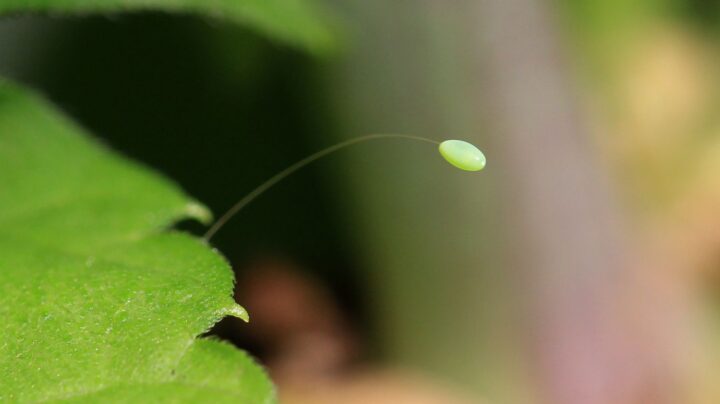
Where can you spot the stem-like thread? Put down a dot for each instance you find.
(300, 164)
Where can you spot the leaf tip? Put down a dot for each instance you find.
(239, 312)
(198, 212)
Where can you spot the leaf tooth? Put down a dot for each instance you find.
(237, 311)
(198, 212)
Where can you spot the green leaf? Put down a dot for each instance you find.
(226, 375)
(98, 299)
(297, 22)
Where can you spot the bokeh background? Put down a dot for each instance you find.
(580, 267)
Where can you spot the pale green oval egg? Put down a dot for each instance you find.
(462, 155)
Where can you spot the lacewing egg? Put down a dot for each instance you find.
(462, 155)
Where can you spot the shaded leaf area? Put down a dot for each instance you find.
(97, 296)
(297, 22)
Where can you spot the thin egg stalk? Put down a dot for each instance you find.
(462, 155)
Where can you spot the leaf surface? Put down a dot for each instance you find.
(296, 22)
(99, 300)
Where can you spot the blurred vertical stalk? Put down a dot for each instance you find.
(571, 255)
(452, 254)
